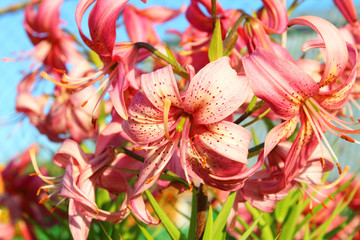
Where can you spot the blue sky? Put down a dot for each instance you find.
(16, 136)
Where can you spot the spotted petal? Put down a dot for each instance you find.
(159, 85)
(336, 50)
(279, 82)
(215, 92)
(145, 123)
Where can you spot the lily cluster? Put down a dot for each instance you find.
(177, 122)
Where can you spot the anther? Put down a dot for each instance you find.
(339, 168)
(347, 138)
(149, 180)
(84, 103)
(203, 161)
(322, 162)
(43, 200)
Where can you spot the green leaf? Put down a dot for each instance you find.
(192, 228)
(231, 45)
(251, 228)
(208, 233)
(264, 222)
(165, 220)
(282, 207)
(171, 55)
(221, 219)
(142, 227)
(289, 227)
(216, 44)
(95, 59)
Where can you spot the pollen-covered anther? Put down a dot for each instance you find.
(322, 161)
(203, 161)
(339, 168)
(347, 138)
(59, 70)
(190, 187)
(149, 180)
(167, 105)
(324, 205)
(52, 209)
(84, 103)
(43, 200)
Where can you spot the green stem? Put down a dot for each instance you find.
(255, 150)
(14, 7)
(248, 112)
(178, 69)
(129, 153)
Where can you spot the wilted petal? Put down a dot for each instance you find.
(279, 82)
(336, 50)
(215, 92)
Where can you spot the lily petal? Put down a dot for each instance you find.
(279, 82)
(336, 50)
(224, 138)
(215, 92)
(159, 85)
(145, 123)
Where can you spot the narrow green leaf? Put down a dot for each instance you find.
(264, 222)
(251, 228)
(165, 220)
(216, 44)
(282, 207)
(231, 45)
(143, 230)
(289, 227)
(95, 59)
(208, 233)
(171, 55)
(192, 228)
(221, 219)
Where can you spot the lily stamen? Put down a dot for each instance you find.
(167, 105)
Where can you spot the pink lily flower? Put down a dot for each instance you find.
(347, 8)
(256, 188)
(53, 47)
(119, 58)
(212, 150)
(85, 172)
(18, 197)
(273, 16)
(292, 93)
(65, 117)
(139, 22)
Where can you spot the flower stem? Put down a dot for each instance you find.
(213, 13)
(178, 69)
(249, 111)
(202, 205)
